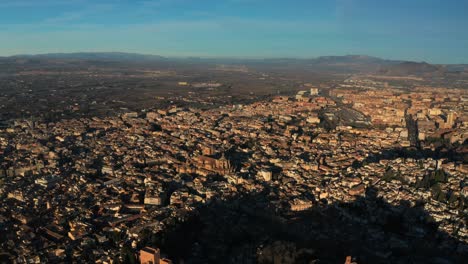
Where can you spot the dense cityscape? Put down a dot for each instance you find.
(233, 132)
(289, 178)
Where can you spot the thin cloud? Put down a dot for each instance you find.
(73, 16)
(36, 3)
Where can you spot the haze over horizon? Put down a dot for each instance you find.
(431, 31)
(123, 55)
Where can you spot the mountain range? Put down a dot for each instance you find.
(330, 64)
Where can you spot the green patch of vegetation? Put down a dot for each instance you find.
(390, 175)
(429, 180)
(433, 181)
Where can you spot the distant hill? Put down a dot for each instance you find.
(352, 59)
(456, 67)
(108, 56)
(348, 64)
(329, 64)
(411, 68)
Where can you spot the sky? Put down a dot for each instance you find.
(434, 31)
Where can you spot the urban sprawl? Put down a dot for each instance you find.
(386, 162)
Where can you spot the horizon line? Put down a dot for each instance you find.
(233, 57)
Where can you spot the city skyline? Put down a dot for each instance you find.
(430, 31)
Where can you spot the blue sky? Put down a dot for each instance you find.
(421, 30)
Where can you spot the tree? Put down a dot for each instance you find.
(442, 197)
(436, 190)
(453, 199)
(424, 183)
(440, 176)
(389, 174)
(127, 255)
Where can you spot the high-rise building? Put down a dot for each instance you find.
(450, 120)
(348, 260)
(314, 91)
(149, 255)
